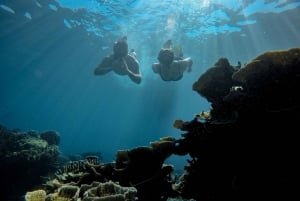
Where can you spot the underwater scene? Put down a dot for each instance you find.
(148, 100)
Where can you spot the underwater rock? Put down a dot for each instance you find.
(144, 168)
(142, 163)
(273, 78)
(269, 67)
(216, 82)
(247, 150)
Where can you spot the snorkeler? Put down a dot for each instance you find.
(121, 62)
(177, 49)
(171, 67)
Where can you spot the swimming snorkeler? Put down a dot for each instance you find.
(171, 64)
(121, 62)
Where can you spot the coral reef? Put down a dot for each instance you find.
(216, 82)
(96, 191)
(248, 148)
(51, 137)
(110, 191)
(273, 77)
(25, 157)
(86, 180)
(144, 168)
(37, 195)
(269, 67)
(244, 148)
(141, 171)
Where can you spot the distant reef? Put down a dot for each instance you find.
(26, 157)
(244, 148)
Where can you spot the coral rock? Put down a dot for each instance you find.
(38, 195)
(51, 137)
(269, 66)
(274, 78)
(216, 82)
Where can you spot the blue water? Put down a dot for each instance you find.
(49, 49)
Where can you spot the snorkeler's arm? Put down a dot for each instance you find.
(137, 78)
(104, 66)
(155, 67)
(186, 64)
(101, 70)
(133, 69)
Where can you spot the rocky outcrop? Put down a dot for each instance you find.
(247, 149)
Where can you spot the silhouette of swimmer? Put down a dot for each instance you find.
(121, 62)
(171, 67)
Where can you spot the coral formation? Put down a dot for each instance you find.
(51, 137)
(25, 158)
(215, 83)
(273, 77)
(38, 195)
(140, 171)
(244, 148)
(144, 168)
(110, 191)
(269, 67)
(87, 183)
(247, 150)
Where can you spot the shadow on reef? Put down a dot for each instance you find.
(244, 148)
